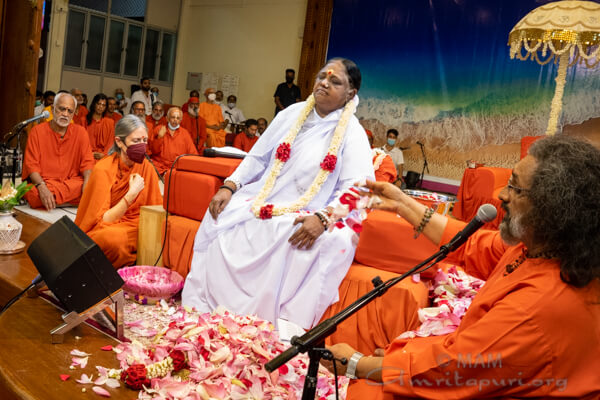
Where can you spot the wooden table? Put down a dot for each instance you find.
(30, 364)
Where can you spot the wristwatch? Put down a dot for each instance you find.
(352, 363)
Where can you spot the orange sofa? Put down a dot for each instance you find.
(386, 248)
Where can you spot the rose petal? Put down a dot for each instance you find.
(64, 377)
(101, 391)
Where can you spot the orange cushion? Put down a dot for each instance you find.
(179, 247)
(382, 320)
(387, 243)
(189, 193)
(217, 166)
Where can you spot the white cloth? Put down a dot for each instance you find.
(246, 264)
(396, 154)
(139, 95)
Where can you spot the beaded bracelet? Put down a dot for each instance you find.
(426, 217)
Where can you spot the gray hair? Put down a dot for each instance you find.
(60, 96)
(124, 127)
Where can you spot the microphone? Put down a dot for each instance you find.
(208, 152)
(486, 213)
(44, 115)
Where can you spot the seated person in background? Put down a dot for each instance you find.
(232, 114)
(111, 109)
(170, 141)
(533, 328)
(123, 103)
(385, 171)
(262, 126)
(212, 114)
(245, 140)
(81, 111)
(193, 93)
(58, 158)
(194, 124)
(120, 184)
(394, 152)
(157, 117)
(265, 249)
(100, 128)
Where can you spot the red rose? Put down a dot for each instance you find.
(329, 162)
(266, 212)
(283, 152)
(135, 376)
(178, 360)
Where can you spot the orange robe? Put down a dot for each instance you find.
(385, 170)
(115, 116)
(102, 134)
(196, 127)
(60, 162)
(108, 184)
(526, 334)
(166, 149)
(80, 117)
(213, 115)
(243, 142)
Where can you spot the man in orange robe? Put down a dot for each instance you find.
(58, 158)
(100, 128)
(170, 141)
(81, 111)
(194, 124)
(111, 107)
(533, 329)
(109, 211)
(245, 140)
(213, 115)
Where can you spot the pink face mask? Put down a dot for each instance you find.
(136, 152)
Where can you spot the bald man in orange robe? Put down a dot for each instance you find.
(215, 124)
(58, 158)
(194, 124)
(170, 141)
(245, 140)
(532, 331)
(118, 188)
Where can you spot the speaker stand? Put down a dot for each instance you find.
(73, 319)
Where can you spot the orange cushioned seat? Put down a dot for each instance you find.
(382, 320)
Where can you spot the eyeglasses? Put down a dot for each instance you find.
(518, 191)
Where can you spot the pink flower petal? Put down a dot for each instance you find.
(101, 391)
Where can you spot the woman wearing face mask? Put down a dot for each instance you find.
(119, 185)
(170, 141)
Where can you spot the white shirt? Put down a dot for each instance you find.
(146, 99)
(396, 155)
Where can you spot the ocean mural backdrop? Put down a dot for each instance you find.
(440, 72)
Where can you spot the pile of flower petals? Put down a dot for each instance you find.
(453, 292)
(225, 355)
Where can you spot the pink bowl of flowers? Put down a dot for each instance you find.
(149, 284)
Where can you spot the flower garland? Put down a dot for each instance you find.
(282, 155)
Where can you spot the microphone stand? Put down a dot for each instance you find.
(313, 340)
(425, 165)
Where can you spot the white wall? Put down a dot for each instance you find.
(255, 40)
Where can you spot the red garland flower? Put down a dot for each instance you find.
(178, 360)
(135, 376)
(329, 162)
(283, 152)
(266, 212)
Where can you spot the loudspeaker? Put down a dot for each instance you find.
(73, 266)
(411, 180)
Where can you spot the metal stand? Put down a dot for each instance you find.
(73, 319)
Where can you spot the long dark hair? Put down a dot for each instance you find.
(565, 215)
(354, 75)
(96, 99)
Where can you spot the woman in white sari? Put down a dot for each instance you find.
(263, 247)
